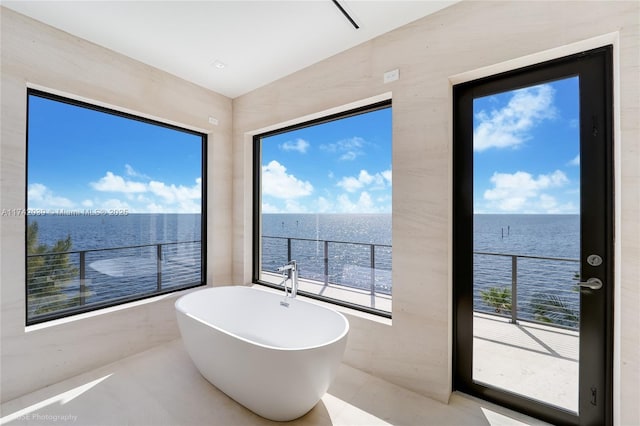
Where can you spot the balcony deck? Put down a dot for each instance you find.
(531, 359)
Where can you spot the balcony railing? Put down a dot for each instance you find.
(364, 266)
(62, 283)
(538, 289)
(67, 282)
(534, 288)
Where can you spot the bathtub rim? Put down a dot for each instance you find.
(341, 336)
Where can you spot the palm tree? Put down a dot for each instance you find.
(551, 308)
(48, 274)
(499, 298)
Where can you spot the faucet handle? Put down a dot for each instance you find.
(292, 266)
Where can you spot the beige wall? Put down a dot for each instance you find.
(453, 45)
(34, 54)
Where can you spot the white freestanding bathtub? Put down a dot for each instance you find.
(277, 361)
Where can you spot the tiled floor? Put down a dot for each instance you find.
(162, 387)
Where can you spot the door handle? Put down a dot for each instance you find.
(592, 283)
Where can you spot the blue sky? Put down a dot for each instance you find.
(526, 160)
(82, 159)
(342, 166)
(526, 150)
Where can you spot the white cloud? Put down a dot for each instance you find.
(293, 206)
(362, 205)
(387, 175)
(37, 191)
(521, 191)
(187, 198)
(269, 208)
(366, 178)
(350, 184)
(152, 196)
(353, 183)
(172, 193)
(41, 197)
(348, 156)
(575, 161)
(547, 202)
(155, 208)
(276, 182)
(130, 171)
(349, 149)
(323, 205)
(510, 126)
(299, 145)
(116, 204)
(116, 192)
(115, 183)
(550, 205)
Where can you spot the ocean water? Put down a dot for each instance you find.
(350, 242)
(536, 235)
(103, 231)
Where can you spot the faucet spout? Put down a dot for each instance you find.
(291, 269)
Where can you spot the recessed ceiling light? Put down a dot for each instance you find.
(219, 64)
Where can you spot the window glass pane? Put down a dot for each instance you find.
(114, 207)
(526, 241)
(326, 203)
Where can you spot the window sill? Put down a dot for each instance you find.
(349, 312)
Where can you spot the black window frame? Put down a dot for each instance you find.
(203, 211)
(257, 201)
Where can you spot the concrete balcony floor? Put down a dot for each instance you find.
(162, 387)
(530, 359)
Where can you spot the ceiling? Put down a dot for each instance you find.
(257, 41)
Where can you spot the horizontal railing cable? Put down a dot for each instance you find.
(71, 280)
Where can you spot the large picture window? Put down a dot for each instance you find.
(115, 207)
(323, 198)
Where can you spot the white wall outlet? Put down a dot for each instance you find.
(213, 121)
(392, 75)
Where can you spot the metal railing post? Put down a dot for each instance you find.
(373, 275)
(326, 262)
(288, 250)
(83, 271)
(514, 289)
(159, 265)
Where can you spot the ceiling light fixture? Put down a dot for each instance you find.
(219, 64)
(346, 14)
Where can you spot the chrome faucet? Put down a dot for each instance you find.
(291, 269)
